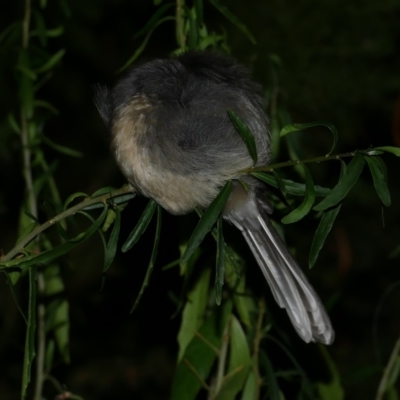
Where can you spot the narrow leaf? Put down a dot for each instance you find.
(14, 295)
(50, 255)
(141, 226)
(57, 310)
(273, 388)
(193, 370)
(72, 197)
(207, 221)
(62, 149)
(239, 363)
(193, 312)
(390, 149)
(378, 177)
(250, 390)
(304, 208)
(220, 264)
(348, 180)
(40, 28)
(51, 62)
(152, 259)
(294, 188)
(324, 227)
(46, 105)
(280, 183)
(299, 127)
(233, 19)
(111, 248)
(151, 23)
(140, 49)
(245, 133)
(13, 123)
(29, 352)
(104, 190)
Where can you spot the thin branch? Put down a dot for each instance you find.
(291, 163)
(196, 374)
(67, 213)
(256, 344)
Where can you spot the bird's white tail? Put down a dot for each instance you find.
(288, 283)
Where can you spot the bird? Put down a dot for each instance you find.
(175, 143)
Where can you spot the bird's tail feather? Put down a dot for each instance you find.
(288, 283)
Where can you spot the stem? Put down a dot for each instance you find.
(67, 213)
(388, 370)
(180, 23)
(222, 359)
(32, 207)
(296, 162)
(256, 346)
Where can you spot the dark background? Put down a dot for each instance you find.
(340, 62)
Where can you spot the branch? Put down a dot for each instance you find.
(67, 213)
(291, 163)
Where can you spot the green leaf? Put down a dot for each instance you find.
(152, 260)
(273, 388)
(51, 62)
(57, 312)
(299, 127)
(46, 105)
(14, 295)
(332, 390)
(13, 123)
(245, 133)
(304, 208)
(379, 179)
(140, 49)
(239, 363)
(346, 182)
(151, 23)
(324, 227)
(47, 256)
(220, 264)
(280, 183)
(233, 19)
(111, 248)
(61, 149)
(207, 221)
(29, 352)
(250, 391)
(194, 368)
(104, 190)
(141, 226)
(14, 28)
(40, 28)
(294, 188)
(390, 149)
(72, 197)
(193, 312)
(111, 215)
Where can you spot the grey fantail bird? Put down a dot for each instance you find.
(175, 143)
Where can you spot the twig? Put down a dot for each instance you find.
(67, 213)
(291, 163)
(256, 345)
(388, 370)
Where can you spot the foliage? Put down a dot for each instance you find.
(224, 326)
